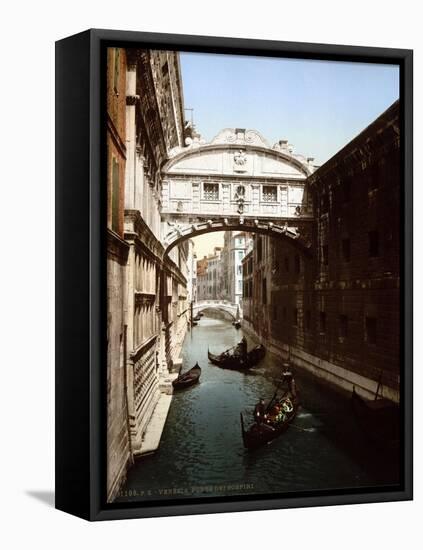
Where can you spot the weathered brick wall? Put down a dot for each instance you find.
(343, 304)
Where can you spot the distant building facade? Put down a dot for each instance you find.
(209, 276)
(235, 245)
(337, 312)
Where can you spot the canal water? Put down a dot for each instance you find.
(201, 452)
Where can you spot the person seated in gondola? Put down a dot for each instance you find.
(241, 348)
(260, 412)
(273, 413)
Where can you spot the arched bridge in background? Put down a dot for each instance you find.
(222, 305)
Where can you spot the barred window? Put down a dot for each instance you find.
(264, 292)
(211, 191)
(371, 330)
(270, 193)
(343, 326)
(373, 244)
(346, 250)
(308, 319)
(322, 322)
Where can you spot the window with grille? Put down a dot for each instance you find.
(297, 264)
(322, 322)
(264, 291)
(346, 250)
(371, 330)
(324, 203)
(373, 244)
(270, 193)
(259, 249)
(346, 190)
(308, 319)
(343, 326)
(211, 191)
(325, 254)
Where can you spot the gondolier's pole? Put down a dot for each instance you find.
(274, 395)
(378, 386)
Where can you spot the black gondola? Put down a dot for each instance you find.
(279, 416)
(237, 324)
(197, 317)
(187, 379)
(378, 419)
(227, 360)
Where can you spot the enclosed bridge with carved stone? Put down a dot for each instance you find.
(238, 181)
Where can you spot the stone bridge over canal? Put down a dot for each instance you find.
(236, 182)
(222, 305)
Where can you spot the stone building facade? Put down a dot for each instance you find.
(337, 312)
(148, 307)
(235, 245)
(209, 276)
(118, 435)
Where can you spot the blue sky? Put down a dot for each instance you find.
(319, 106)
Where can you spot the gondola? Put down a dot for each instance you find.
(197, 317)
(231, 361)
(378, 419)
(194, 323)
(187, 379)
(237, 324)
(259, 434)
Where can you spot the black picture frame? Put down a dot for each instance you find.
(80, 272)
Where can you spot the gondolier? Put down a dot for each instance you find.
(241, 349)
(227, 360)
(260, 411)
(270, 422)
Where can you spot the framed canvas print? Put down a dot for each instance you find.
(234, 288)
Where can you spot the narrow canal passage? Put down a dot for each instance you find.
(201, 451)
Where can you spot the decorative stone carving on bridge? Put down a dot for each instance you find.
(240, 160)
(240, 136)
(204, 179)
